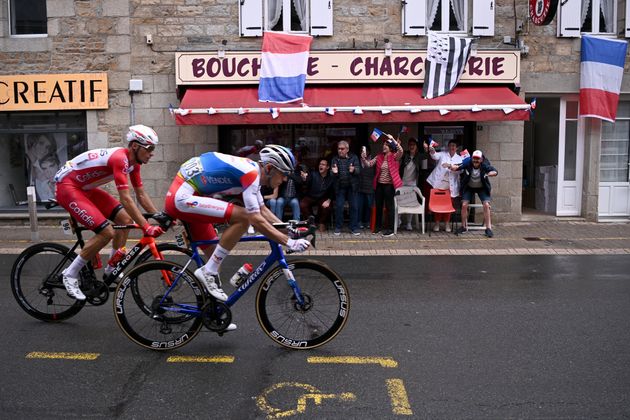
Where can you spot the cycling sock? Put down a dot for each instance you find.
(108, 268)
(214, 263)
(76, 266)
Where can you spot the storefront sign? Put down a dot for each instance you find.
(37, 92)
(404, 66)
(542, 12)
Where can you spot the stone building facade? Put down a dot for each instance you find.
(111, 36)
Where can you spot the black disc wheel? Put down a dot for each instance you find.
(317, 319)
(158, 305)
(37, 285)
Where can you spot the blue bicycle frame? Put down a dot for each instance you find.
(276, 255)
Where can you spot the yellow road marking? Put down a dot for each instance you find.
(386, 362)
(62, 355)
(200, 359)
(398, 396)
(312, 394)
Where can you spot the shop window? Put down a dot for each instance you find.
(36, 145)
(587, 16)
(28, 17)
(291, 16)
(308, 142)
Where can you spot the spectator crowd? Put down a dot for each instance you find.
(362, 189)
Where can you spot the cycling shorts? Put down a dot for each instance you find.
(92, 208)
(183, 203)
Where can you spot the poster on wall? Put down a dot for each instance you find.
(44, 154)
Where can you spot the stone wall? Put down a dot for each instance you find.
(502, 144)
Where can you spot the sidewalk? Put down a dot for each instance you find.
(515, 238)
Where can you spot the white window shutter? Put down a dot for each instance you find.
(627, 19)
(321, 17)
(251, 17)
(414, 17)
(569, 16)
(483, 17)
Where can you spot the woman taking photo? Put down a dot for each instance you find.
(386, 180)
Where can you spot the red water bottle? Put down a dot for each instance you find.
(96, 262)
(117, 257)
(239, 277)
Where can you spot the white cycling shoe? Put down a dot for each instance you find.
(212, 283)
(72, 287)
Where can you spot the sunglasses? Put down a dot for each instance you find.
(148, 147)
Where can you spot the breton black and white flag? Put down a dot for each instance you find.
(444, 65)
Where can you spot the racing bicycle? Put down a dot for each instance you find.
(36, 276)
(306, 310)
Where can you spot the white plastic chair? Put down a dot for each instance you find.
(408, 200)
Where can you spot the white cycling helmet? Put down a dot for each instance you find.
(279, 157)
(144, 135)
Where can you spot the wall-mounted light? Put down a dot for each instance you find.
(388, 47)
(221, 51)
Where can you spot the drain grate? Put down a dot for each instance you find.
(532, 238)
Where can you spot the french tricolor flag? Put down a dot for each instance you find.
(601, 71)
(283, 67)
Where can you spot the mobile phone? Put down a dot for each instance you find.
(363, 150)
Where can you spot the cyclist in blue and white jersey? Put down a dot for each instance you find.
(190, 199)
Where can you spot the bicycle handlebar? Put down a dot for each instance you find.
(301, 229)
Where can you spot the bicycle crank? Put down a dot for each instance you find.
(97, 294)
(216, 316)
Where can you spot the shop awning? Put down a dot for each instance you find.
(353, 104)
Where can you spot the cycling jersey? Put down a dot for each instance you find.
(100, 166)
(78, 180)
(213, 173)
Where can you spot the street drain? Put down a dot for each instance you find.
(532, 238)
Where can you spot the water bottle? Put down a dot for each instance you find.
(96, 262)
(117, 257)
(239, 277)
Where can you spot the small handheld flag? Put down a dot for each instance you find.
(376, 134)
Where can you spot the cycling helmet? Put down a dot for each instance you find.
(279, 157)
(144, 135)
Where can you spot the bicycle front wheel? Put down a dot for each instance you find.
(37, 285)
(303, 326)
(157, 305)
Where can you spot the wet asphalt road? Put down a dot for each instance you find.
(444, 337)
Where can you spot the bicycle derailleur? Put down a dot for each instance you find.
(216, 316)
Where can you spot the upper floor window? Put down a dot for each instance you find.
(449, 16)
(587, 16)
(598, 16)
(28, 17)
(297, 16)
(287, 15)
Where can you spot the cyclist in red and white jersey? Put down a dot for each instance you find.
(189, 199)
(77, 190)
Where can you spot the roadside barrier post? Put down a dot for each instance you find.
(32, 212)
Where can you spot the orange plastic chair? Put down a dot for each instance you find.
(439, 202)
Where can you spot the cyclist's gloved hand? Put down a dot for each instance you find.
(298, 245)
(153, 231)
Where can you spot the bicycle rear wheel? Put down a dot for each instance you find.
(319, 320)
(37, 285)
(155, 315)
